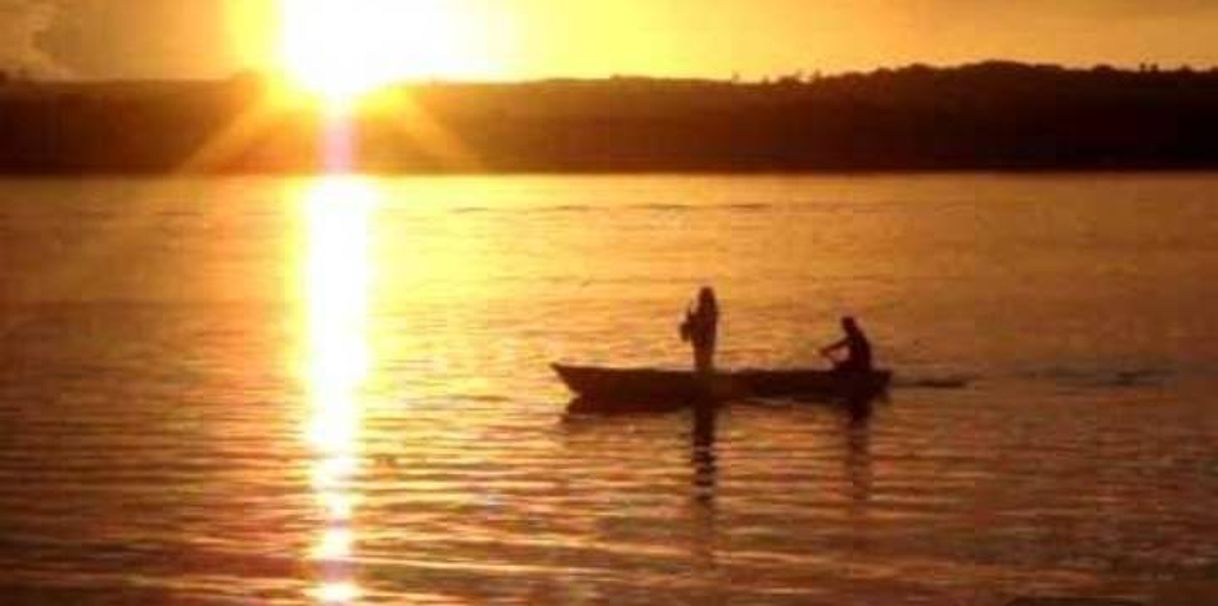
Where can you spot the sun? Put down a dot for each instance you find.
(344, 49)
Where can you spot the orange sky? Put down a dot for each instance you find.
(588, 38)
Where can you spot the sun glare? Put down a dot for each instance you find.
(343, 49)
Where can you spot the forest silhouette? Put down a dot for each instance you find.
(987, 116)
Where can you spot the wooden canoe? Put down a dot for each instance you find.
(642, 385)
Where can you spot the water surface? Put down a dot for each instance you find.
(336, 391)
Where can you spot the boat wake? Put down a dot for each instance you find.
(933, 382)
(1103, 378)
(1078, 378)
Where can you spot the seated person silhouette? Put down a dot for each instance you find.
(856, 346)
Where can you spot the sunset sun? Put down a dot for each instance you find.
(343, 49)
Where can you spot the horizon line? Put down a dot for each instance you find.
(10, 76)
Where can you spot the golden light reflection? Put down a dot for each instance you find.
(338, 593)
(337, 280)
(335, 544)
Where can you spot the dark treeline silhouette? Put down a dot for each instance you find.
(994, 115)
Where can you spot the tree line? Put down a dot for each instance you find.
(987, 116)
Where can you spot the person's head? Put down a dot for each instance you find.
(706, 298)
(850, 325)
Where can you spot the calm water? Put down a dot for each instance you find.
(259, 391)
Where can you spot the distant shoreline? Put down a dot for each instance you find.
(990, 117)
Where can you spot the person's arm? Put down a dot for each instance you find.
(686, 329)
(840, 345)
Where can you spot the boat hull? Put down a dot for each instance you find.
(643, 385)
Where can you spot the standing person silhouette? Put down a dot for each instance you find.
(700, 329)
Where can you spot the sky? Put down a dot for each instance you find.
(527, 39)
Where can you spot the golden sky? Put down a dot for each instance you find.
(524, 39)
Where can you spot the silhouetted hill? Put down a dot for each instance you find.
(994, 115)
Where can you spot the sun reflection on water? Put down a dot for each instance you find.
(337, 276)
